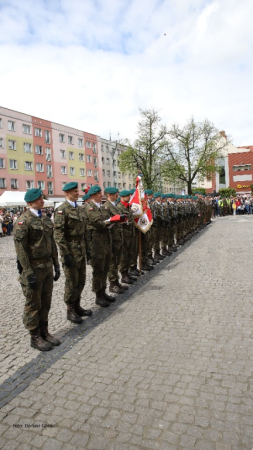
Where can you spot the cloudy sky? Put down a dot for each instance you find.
(91, 64)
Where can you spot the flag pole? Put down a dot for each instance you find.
(140, 251)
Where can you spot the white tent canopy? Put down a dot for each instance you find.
(16, 198)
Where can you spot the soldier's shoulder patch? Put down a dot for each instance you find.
(90, 209)
(20, 223)
(59, 212)
(105, 207)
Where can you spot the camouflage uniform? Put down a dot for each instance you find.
(70, 233)
(117, 242)
(100, 245)
(128, 238)
(37, 254)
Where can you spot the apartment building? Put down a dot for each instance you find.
(111, 174)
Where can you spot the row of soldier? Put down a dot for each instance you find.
(103, 233)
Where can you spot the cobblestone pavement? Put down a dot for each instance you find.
(168, 366)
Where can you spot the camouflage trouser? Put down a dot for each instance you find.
(115, 260)
(75, 281)
(100, 260)
(158, 237)
(127, 253)
(144, 247)
(38, 301)
(135, 253)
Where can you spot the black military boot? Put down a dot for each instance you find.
(115, 288)
(147, 267)
(81, 312)
(38, 342)
(125, 288)
(100, 299)
(46, 336)
(109, 298)
(158, 257)
(72, 315)
(125, 278)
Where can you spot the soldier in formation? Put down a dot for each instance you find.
(102, 233)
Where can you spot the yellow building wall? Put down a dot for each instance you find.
(19, 155)
(76, 163)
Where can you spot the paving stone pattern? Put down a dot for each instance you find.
(168, 366)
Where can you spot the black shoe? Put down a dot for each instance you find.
(108, 298)
(100, 300)
(72, 316)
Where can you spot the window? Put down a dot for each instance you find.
(82, 186)
(27, 147)
(64, 170)
(39, 167)
(63, 154)
(1, 123)
(115, 174)
(71, 155)
(29, 184)
(61, 137)
(102, 148)
(88, 144)
(119, 185)
(107, 161)
(114, 162)
(72, 171)
(28, 165)
(80, 142)
(107, 148)
(70, 139)
(12, 145)
(63, 184)
(2, 163)
(104, 184)
(50, 188)
(49, 171)
(115, 184)
(13, 164)
(119, 175)
(108, 172)
(95, 161)
(103, 172)
(89, 158)
(89, 173)
(38, 132)
(94, 148)
(26, 129)
(11, 125)
(48, 154)
(47, 136)
(39, 149)
(82, 172)
(1, 142)
(241, 167)
(103, 159)
(96, 175)
(124, 185)
(41, 185)
(14, 183)
(108, 183)
(2, 183)
(81, 157)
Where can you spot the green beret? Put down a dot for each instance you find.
(124, 193)
(33, 194)
(85, 197)
(157, 194)
(132, 191)
(149, 192)
(111, 190)
(163, 195)
(95, 189)
(71, 185)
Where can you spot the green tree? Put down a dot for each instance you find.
(146, 154)
(226, 192)
(192, 152)
(199, 191)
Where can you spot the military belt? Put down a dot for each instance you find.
(41, 260)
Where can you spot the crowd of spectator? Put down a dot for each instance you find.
(241, 204)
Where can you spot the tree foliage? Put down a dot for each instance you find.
(227, 192)
(192, 152)
(147, 152)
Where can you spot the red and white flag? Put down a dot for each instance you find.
(139, 205)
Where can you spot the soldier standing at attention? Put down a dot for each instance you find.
(36, 257)
(100, 223)
(128, 238)
(117, 242)
(70, 234)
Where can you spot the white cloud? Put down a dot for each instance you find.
(91, 64)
